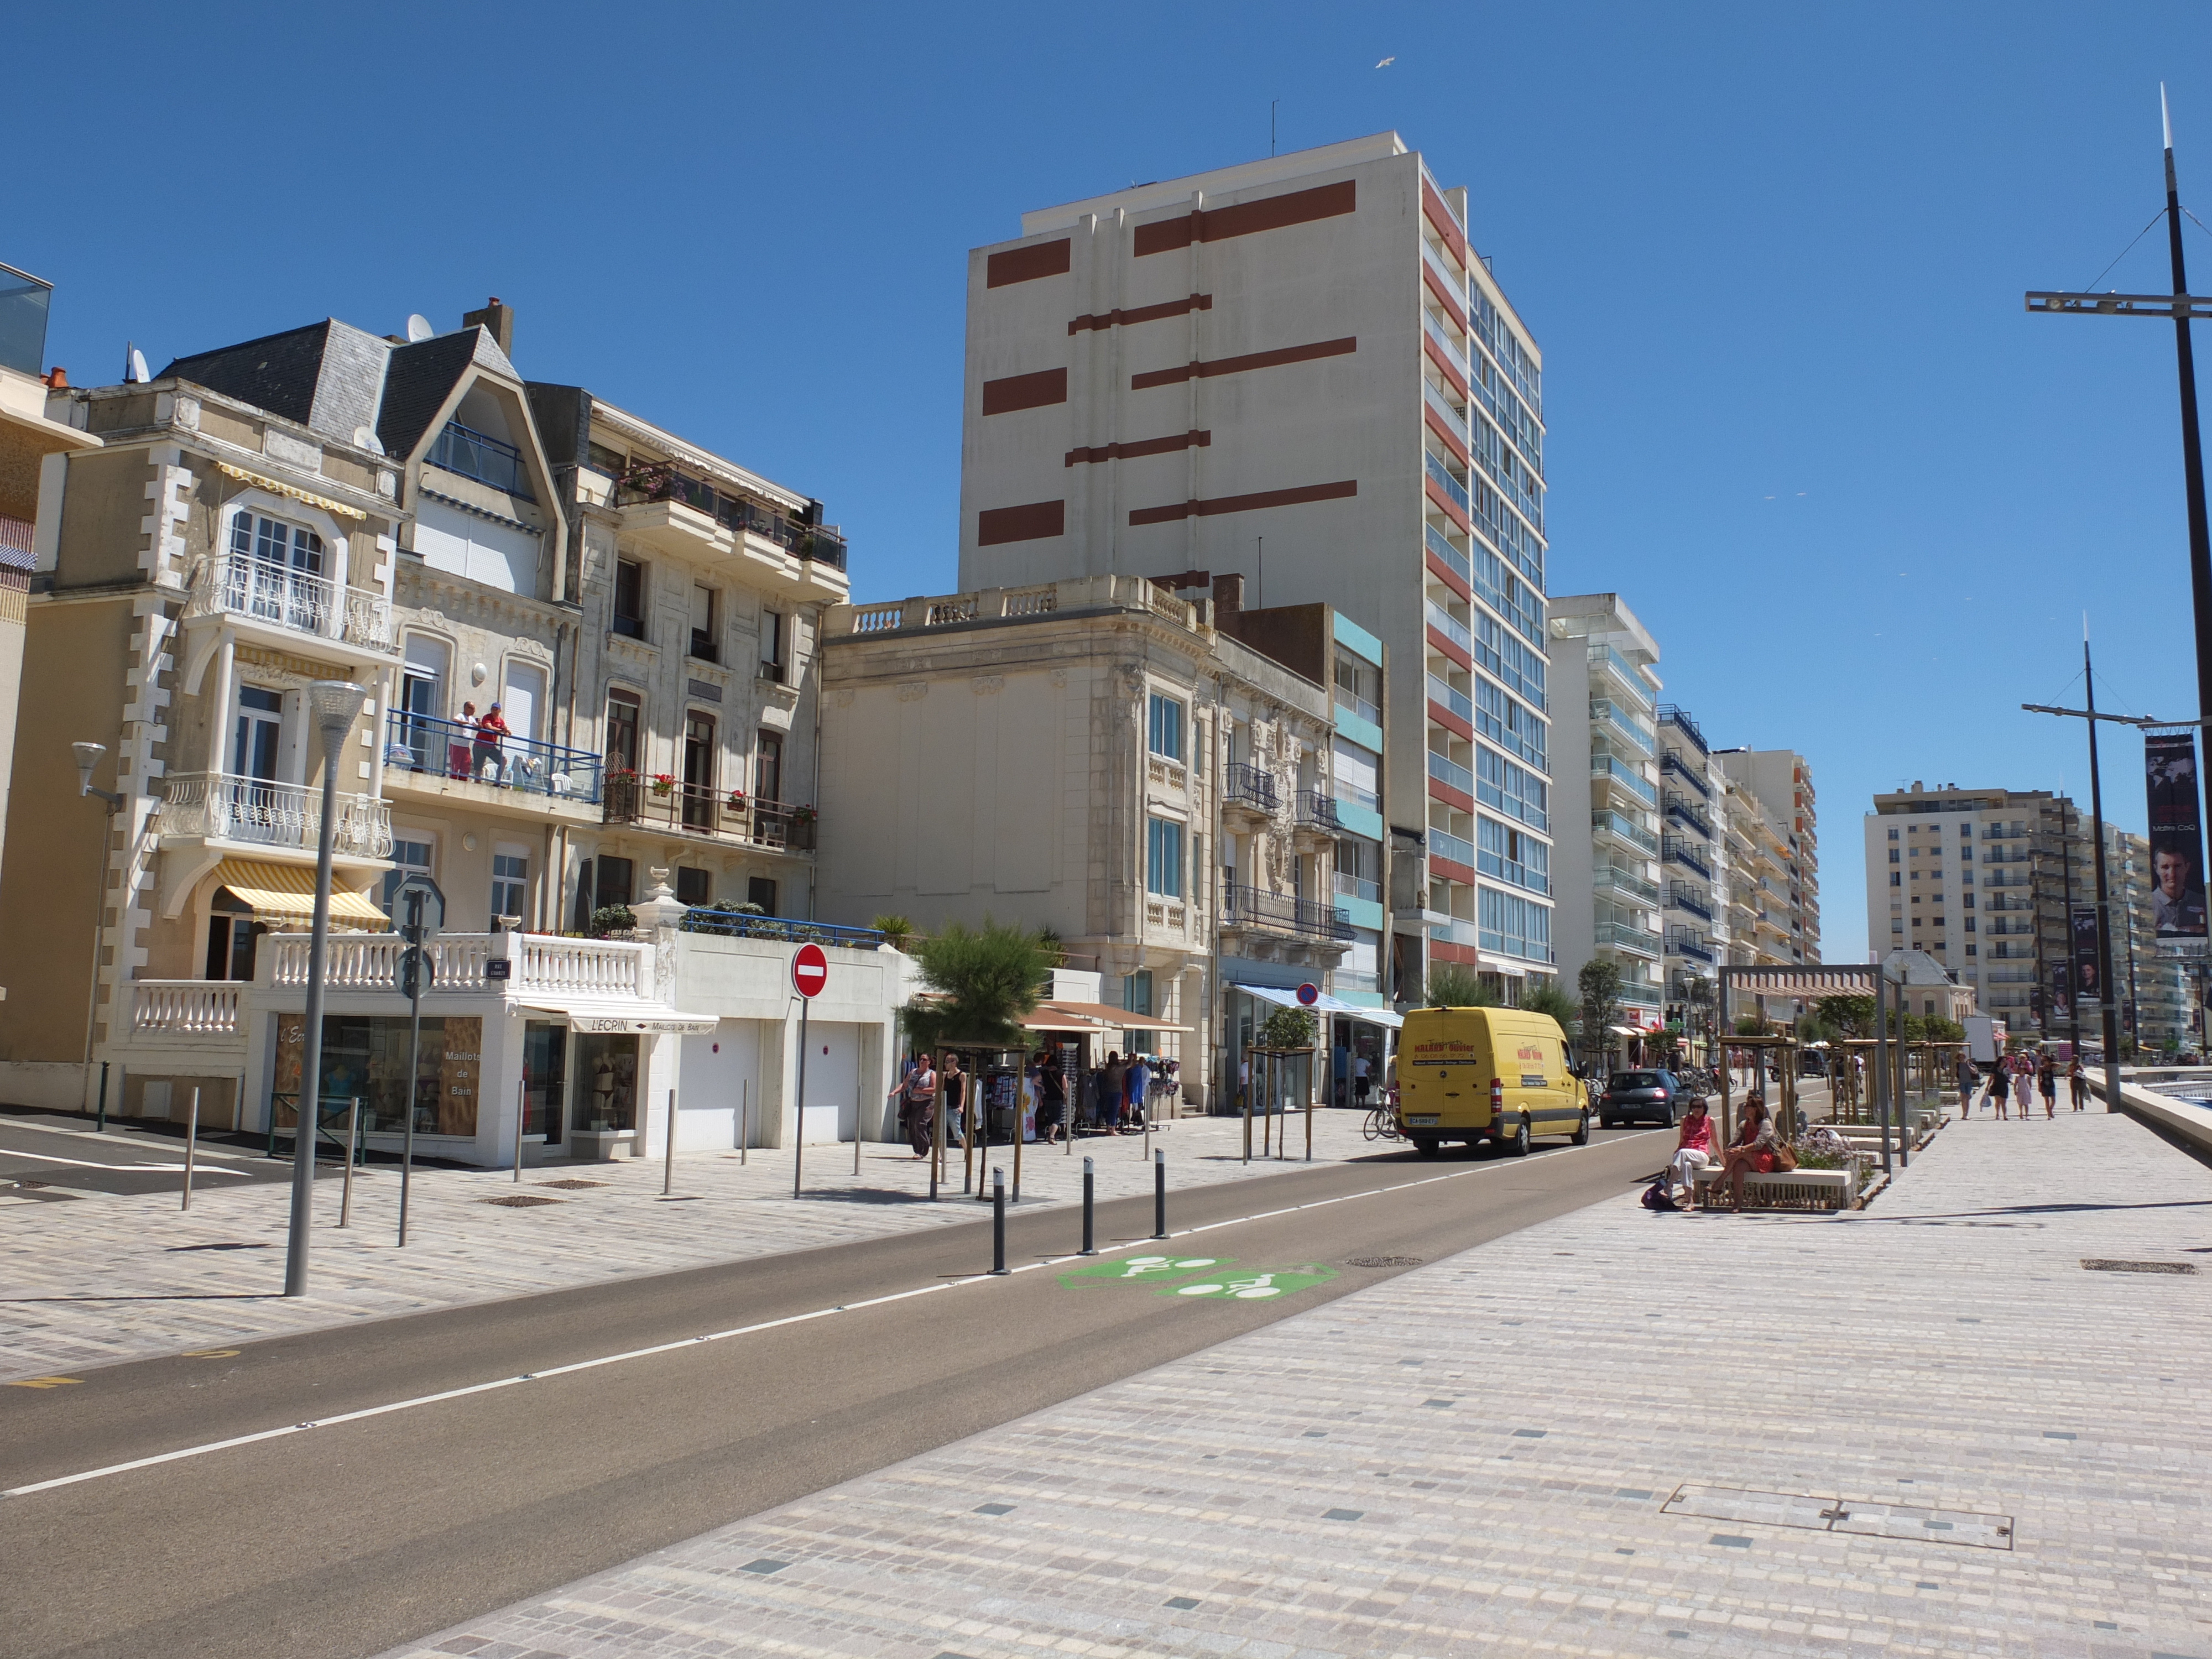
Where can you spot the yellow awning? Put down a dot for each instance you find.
(285, 892)
(339, 508)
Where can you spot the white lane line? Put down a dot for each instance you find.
(84, 1164)
(114, 1139)
(212, 1446)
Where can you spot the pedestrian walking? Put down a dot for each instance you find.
(918, 1112)
(2077, 1081)
(2001, 1086)
(2023, 1086)
(1113, 1097)
(1052, 1097)
(2046, 1083)
(952, 1099)
(1141, 1090)
(1362, 1080)
(1969, 1080)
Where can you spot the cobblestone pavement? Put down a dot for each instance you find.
(101, 1277)
(1878, 1395)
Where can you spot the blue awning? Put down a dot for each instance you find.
(1326, 1004)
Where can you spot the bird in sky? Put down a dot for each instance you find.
(1387, 62)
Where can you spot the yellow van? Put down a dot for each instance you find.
(1494, 1074)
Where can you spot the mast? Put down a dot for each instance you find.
(2192, 449)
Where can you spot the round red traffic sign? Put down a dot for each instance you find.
(1309, 993)
(810, 970)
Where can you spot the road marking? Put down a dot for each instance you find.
(7, 1152)
(209, 1354)
(210, 1447)
(44, 1381)
(114, 1140)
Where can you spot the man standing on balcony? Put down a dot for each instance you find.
(486, 746)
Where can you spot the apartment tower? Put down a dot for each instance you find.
(1298, 371)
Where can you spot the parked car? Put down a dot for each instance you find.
(1652, 1097)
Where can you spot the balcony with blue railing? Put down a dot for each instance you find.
(1440, 544)
(1453, 488)
(1675, 715)
(468, 454)
(1683, 897)
(1450, 773)
(1453, 629)
(1685, 811)
(426, 746)
(1622, 828)
(1618, 771)
(735, 922)
(1675, 849)
(1672, 765)
(1688, 942)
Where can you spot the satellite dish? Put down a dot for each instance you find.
(419, 326)
(365, 439)
(139, 372)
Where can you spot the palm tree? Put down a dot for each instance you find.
(985, 979)
(898, 930)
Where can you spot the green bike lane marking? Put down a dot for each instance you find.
(1200, 1276)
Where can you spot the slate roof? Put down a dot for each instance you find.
(422, 375)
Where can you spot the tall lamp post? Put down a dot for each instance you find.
(88, 757)
(333, 706)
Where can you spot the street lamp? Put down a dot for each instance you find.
(88, 757)
(333, 706)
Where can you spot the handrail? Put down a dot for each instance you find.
(224, 807)
(1452, 486)
(469, 453)
(458, 749)
(658, 481)
(1624, 828)
(1318, 810)
(779, 826)
(1249, 785)
(240, 584)
(1245, 905)
(1611, 766)
(1675, 715)
(185, 1008)
(1675, 849)
(741, 924)
(1671, 761)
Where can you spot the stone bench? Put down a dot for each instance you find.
(1783, 1189)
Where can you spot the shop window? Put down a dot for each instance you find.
(603, 1094)
(693, 886)
(366, 1056)
(545, 1078)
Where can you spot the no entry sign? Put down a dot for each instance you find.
(810, 970)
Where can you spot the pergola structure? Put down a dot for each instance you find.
(1808, 980)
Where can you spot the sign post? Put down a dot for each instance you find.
(809, 972)
(414, 896)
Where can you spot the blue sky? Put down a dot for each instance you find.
(1774, 255)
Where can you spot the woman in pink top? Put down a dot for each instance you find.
(1694, 1150)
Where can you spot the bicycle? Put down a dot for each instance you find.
(1381, 1123)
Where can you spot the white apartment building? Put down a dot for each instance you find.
(1298, 370)
(1606, 892)
(1786, 914)
(1695, 861)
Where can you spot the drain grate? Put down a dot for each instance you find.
(1817, 1513)
(572, 1185)
(1384, 1261)
(521, 1201)
(179, 1249)
(2099, 1264)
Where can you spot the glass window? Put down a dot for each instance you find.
(1512, 855)
(1167, 727)
(411, 855)
(625, 712)
(1163, 859)
(693, 886)
(702, 623)
(272, 541)
(603, 1094)
(771, 647)
(614, 881)
(1514, 926)
(510, 884)
(761, 890)
(768, 768)
(630, 598)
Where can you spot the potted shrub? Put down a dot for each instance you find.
(664, 783)
(736, 800)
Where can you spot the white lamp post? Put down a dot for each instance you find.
(333, 706)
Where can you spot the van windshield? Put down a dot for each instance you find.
(1637, 1080)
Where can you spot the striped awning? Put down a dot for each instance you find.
(337, 509)
(285, 892)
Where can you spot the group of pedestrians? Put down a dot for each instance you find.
(2016, 1080)
(1758, 1148)
(1119, 1099)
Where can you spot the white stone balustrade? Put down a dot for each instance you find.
(185, 1008)
(544, 964)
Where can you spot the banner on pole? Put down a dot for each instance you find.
(2176, 836)
(2060, 1003)
(2082, 927)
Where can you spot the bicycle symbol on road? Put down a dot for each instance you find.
(1258, 1284)
(1147, 1268)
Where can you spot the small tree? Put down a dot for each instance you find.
(1452, 985)
(1751, 1025)
(1852, 1016)
(1599, 984)
(987, 979)
(1288, 1028)
(898, 930)
(1549, 999)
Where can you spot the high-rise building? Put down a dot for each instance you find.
(1299, 370)
(1787, 910)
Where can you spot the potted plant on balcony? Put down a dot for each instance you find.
(802, 827)
(664, 783)
(736, 800)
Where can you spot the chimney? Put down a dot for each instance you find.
(57, 379)
(498, 318)
(1228, 598)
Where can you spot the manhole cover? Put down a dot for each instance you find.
(521, 1201)
(572, 1186)
(1385, 1261)
(2098, 1264)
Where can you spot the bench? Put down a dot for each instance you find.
(1783, 1189)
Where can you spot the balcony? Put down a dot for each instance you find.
(1688, 813)
(260, 812)
(1619, 936)
(1445, 770)
(1606, 713)
(1443, 696)
(1683, 897)
(682, 514)
(1678, 717)
(284, 601)
(1359, 887)
(1444, 844)
(544, 964)
(1454, 422)
(1453, 355)
(1453, 629)
(777, 826)
(1454, 560)
(1607, 878)
(1620, 773)
(1249, 788)
(471, 454)
(421, 747)
(1671, 764)
(1317, 811)
(1452, 486)
(1249, 907)
(1676, 850)
(1685, 942)
(1604, 659)
(734, 924)
(184, 1008)
(1622, 828)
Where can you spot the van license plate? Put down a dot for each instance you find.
(1423, 1119)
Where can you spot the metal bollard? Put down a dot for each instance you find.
(1159, 1194)
(1089, 1194)
(100, 1123)
(191, 1138)
(345, 1199)
(998, 1220)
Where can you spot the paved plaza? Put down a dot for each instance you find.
(99, 1278)
(1927, 1428)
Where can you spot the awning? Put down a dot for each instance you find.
(1624, 1031)
(619, 1018)
(1103, 1015)
(1325, 1004)
(337, 509)
(285, 892)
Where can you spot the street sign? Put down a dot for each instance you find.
(1308, 994)
(433, 900)
(416, 971)
(500, 968)
(810, 970)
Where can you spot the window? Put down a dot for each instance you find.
(614, 884)
(1358, 869)
(761, 890)
(1166, 740)
(771, 647)
(1966, 832)
(693, 886)
(1499, 783)
(1894, 857)
(422, 700)
(1514, 926)
(274, 542)
(630, 598)
(1358, 688)
(1970, 947)
(1892, 836)
(702, 623)
(232, 931)
(698, 771)
(1896, 878)
(260, 726)
(601, 458)
(768, 768)
(409, 857)
(510, 884)
(1512, 855)
(1507, 724)
(1163, 859)
(1137, 993)
(624, 717)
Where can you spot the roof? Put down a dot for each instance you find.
(423, 375)
(328, 376)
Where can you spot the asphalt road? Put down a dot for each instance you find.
(62, 1154)
(347, 1539)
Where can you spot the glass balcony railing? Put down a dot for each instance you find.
(1605, 658)
(1603, 711)
(471, 454)
(1447, 846)
(1443, 621)
(1455, 423)
(1607, 878)
(1622, 937)
(1623, 828)
(1608, 766)
(1451, 487)
(25, 301)
(1459, 702)
(1445, 770)
(1440, 544)
(1359, 887)
(1453, 355)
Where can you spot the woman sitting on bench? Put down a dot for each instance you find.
(1755, 1151)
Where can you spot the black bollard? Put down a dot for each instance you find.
(998, 1221)
(1088, 1193)
(1159, 1194)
